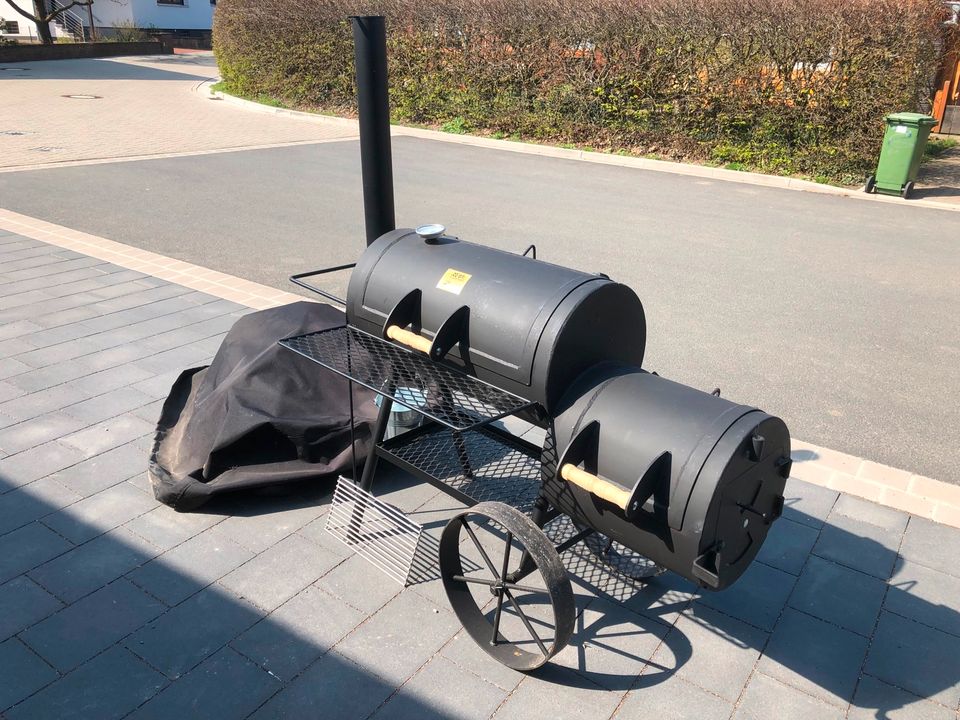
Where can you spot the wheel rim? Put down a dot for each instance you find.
(524, 622)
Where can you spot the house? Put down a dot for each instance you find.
(180, 17)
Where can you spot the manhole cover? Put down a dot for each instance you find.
(83, 97)
(15, 132)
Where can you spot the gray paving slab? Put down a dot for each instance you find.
(167, 528)
(870, 512)
(35, 463)
(107, 688)
(859, 545)
(112, 378)
(839, 595)
(757, 597)
(179, 640)
(441, 689)
(875, 698)
(916, 658)
(47, 427)
(292, 637)
(22, 603)
(30, 502)
(105, 470)
(767, 698)
(611, 645)
(100, 513)
(464, 652)
(926, 596)
(402, 636)
(272, 518)
(936, 546)
(712, 650)
(92, 624)
(108, 434)
(561, 693)
(191, 566)
(23, 672)
(280, 572)
(357, 582)
(37, 403)
(94, 564)
(788, 545)
(333, 687)
(814, 656)
(27, 547)
(226, 686)
(109, 405)
(672, 698)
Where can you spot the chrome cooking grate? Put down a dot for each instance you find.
(482, 464)
(453, 398)
(376, 531)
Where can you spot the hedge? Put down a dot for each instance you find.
(784, 86)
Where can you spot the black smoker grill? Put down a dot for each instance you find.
(645, 468)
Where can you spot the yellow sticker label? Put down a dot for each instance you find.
(453, 281)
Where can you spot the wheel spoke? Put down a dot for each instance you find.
(526, 622)
(483, 553)
(524, 588)
(496, 619)
(503, 577)
(476, 580)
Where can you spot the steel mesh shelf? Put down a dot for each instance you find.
(453, 399)
(501, 469)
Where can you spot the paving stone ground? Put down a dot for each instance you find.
(65, 111)
(114, 606)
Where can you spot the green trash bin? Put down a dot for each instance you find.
(903, 146)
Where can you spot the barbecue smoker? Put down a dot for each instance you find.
(647, 473)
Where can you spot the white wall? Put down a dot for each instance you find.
(192, 15)
(28, 30)
(107, 13)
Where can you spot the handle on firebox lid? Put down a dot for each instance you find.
(410, 339)
(594, 485)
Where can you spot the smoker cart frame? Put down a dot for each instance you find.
(456, 441)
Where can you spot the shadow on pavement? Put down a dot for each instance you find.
(117, 648)
(178, 658)
(112, 69)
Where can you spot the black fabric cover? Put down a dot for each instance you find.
(259, 416)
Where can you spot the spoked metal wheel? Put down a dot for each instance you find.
(520, 616)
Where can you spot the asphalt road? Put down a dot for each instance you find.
(839, 315)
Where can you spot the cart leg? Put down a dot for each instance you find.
(370, 466)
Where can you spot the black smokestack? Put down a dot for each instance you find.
(373, 104)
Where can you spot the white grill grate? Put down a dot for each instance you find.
(376, 531)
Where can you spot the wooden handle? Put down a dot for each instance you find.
(603, 489)
(410, 339)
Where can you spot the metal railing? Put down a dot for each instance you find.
(68, 20)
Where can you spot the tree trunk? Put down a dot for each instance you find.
(43, 28)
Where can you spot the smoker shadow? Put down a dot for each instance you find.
(186, 655)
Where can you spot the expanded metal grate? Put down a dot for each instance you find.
(453, 398)
(375, 530)
(481, 464)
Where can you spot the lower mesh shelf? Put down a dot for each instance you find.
(481, 464)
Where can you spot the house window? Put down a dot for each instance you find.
(11, 27)
(172, 2)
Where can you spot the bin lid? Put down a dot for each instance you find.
(909, 118)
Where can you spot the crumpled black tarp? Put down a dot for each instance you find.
(259, 416)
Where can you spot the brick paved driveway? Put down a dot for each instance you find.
(114, 606)
(114, 115)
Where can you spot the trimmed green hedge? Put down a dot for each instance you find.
(784, 86)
